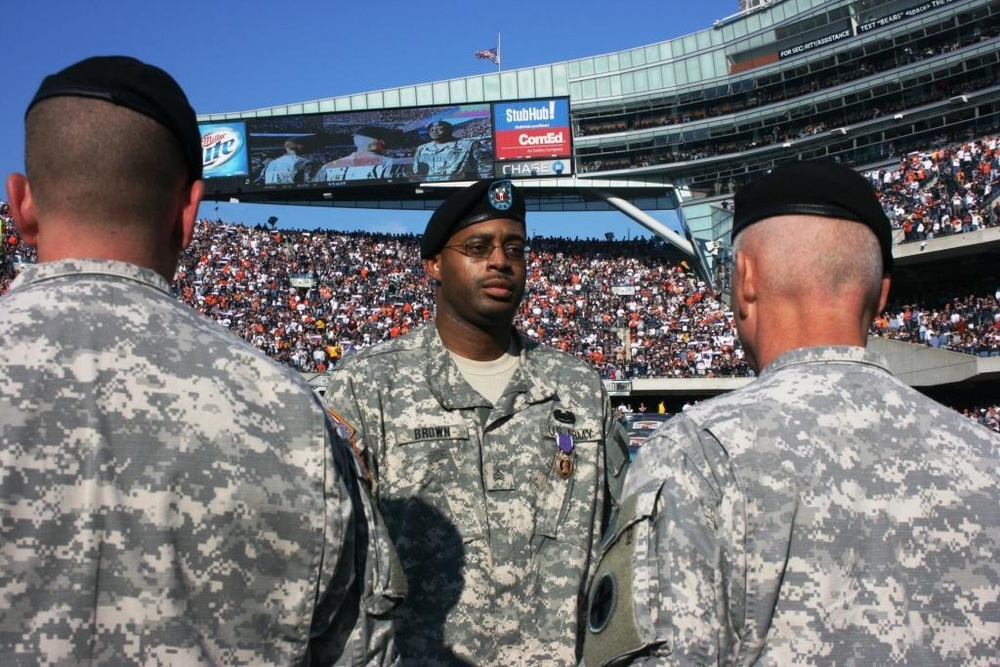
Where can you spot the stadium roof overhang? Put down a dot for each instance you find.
(543, 194)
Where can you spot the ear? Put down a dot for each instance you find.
(22, 207)
(883, 297)
(746, 275)
(432, 267)
(189, 212)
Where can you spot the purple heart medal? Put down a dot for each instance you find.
(564, 459)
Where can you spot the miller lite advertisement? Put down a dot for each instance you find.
(223, 149)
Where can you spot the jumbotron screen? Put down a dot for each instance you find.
(457, 142)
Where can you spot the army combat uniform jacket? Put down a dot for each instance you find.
(168, 495)
(496, 511)
(824, 514)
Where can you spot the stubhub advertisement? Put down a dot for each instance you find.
(532, 130)
(223, 147)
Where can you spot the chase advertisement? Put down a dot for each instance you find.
(456, 142)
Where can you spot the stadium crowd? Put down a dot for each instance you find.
(968, 324)
(948, 190)
(307, 298)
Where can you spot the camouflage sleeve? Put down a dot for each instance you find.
(353, 624)
(616, 461)
(384, 582)
(345, 407)
(659, 561)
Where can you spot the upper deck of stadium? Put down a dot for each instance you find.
(857, 80)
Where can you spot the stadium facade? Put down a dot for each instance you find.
(860, 81)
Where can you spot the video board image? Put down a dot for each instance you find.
(422, 144)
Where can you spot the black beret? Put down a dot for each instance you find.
(131, 83)
(816, 187)
(479, 202)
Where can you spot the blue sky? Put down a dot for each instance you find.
(237, 56)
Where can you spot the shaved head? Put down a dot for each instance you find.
(805, 280)
(101, 164)
(810, 255)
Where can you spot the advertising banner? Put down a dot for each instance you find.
(532, 129)
(223, 148)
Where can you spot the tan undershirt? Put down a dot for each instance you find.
(489, 378)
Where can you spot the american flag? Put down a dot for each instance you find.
(489, 54)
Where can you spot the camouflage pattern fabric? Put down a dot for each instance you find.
(167, 494)
(496, 543)
(452, 160)
(825, 514)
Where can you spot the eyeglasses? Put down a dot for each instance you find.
(479, 249)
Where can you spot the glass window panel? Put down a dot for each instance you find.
(392, 98)
(625, 59)
(660, 76)
(706, 64)
(358, 101)
(508, 85)
(310, 107)
(601, 65)
(652, 53)
(425, 95)
(627, 83)
(703, 39)
(375, 101)
(474, 88)
(457, 90)
(491, 87)
(343, 104)
(638, 57)
(680, 73)
(574, 69)
(692, 69)
(613, 62)
(408, 96)
(560, 80)
(326, 106)
(526, 83)
(690, 44)
(440, 92)
(604, 86)
(589, 90)
(586, 67)
(543, 81)
(641, 80)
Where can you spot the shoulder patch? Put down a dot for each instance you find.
(346, 431)
(349, 433)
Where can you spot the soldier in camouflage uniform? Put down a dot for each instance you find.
(445, 158)
(826, 513)
(167, 494)
(496, 460)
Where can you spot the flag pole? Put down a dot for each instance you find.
(498, 52)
